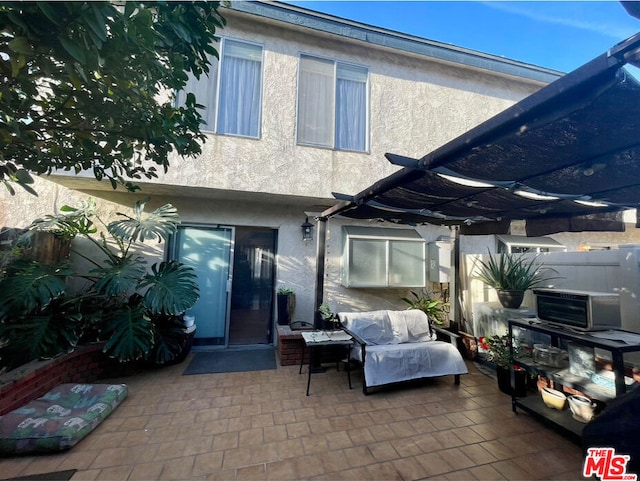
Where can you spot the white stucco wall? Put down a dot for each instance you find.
(416, 105)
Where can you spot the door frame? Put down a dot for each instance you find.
(172, 253)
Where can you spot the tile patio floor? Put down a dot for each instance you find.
(261, 426)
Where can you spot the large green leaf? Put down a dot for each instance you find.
(170, 338)
(119, 275)
(129, 333)
(172, 288)
(71, 222)
(40, 336)
(29, 285)
(158, 224)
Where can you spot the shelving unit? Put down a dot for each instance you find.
(619, 350)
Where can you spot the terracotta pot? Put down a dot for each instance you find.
(510, 299)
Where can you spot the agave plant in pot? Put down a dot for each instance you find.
(135, 308)
(511, 275)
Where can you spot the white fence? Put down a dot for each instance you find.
(616, 271)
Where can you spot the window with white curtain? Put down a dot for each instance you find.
(232, 92)
(332, 104)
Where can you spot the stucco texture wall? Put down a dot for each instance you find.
(416, 105)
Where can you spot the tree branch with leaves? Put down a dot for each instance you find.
(82, 85)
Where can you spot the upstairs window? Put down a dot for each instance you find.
(232, 92)
(332, 104)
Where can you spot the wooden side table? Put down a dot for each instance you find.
(319, 339)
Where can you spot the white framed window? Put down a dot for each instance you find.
(333, 108)
(232, 93)
(379, 257)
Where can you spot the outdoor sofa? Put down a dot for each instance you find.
(395, 346)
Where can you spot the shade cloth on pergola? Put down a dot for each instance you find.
(566, 158)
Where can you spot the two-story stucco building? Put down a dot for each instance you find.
(302, 105)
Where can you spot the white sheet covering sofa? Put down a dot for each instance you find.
(395, 346)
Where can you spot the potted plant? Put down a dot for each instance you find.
(286, 305)
(436, 309)
(329, 318)
(498, 349)
(511, 275)
(135, 309)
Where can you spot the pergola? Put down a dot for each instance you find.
(566, 158)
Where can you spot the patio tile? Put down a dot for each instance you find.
(406, 447)
(178, 469)
(116, 472)
(487, 472)
(434, 463)
(274, 433)
(403, 428)
(314, 444)
(291, 448)
(359, 456)
(510, 469)
(383, 451)
(298, 430)
(457, 457)
(111, 457)
(264, 453)
(251, 437)
(448, 439)
(252, 473)
(236, 458)
(282, 470)
(360, 436)
(225, 441)
(478, 454)
(338, 440)
(383, 472)
(41, 464)
(145, 471)
(207, 463)
(409, 468)
(262, 426)
(310, 466)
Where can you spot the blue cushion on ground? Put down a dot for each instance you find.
(59, 419)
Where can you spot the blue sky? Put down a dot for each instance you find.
(560, 35)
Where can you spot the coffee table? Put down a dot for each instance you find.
(318, 339)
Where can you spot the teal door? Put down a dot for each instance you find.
(209, 250)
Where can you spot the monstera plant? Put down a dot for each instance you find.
(134, 307)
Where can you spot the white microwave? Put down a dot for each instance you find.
(580, 310)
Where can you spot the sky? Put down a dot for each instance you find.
(560, 35)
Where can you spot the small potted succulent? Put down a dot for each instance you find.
(330, 319)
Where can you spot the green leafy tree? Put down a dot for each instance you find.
(82, 83)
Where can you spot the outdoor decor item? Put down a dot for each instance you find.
(59, 419)
(395, 346)
(286, 305)
(511, 276)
